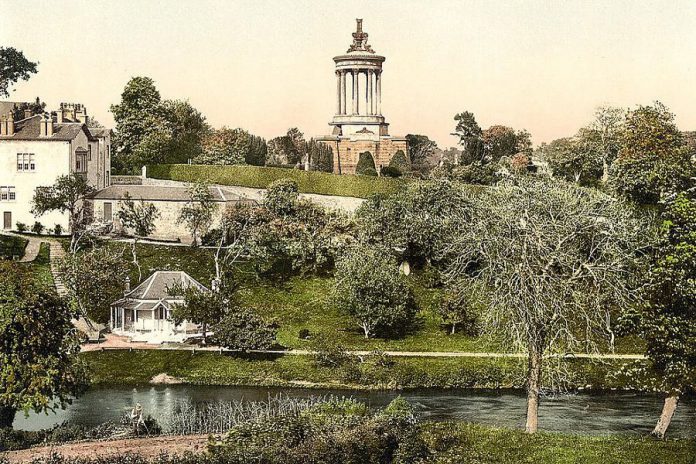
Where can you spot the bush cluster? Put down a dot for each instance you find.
(260, 177)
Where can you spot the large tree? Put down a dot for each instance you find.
(420, 149)
(499, 141)
(667, 319)
(14, 66)
(469, 133)
(39, 365)
(654, 159)
(554, 260)
(67, 194)
(94, 279)
(370, 288)
(225, 146)
(150, 130)
(287, 149)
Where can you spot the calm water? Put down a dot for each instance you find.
(608, 413)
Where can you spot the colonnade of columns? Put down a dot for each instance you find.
(372, 92)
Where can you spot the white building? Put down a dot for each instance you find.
(145, 313)
(37, 149)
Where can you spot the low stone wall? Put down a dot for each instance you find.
(126, 180)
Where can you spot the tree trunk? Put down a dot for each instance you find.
(7, 416)
(533, 386)
(205, 330)
(135, 259)
(668, 409)
(454, 328)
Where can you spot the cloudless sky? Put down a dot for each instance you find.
(267, 65)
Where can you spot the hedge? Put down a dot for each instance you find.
(260, 177)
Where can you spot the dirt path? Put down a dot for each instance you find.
(146, 447)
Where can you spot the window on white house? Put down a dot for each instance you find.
(7, 193)
(25, 162)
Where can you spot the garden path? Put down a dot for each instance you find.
(145, 447)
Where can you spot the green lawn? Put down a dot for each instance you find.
(473, 444)
(41, 266)
(120, 367)
(11, 246)
(259, 177)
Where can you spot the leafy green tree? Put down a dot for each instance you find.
(202, 307)
(139, 219)
(138, 114)
(187, 127)
(570, 159)
(150, 130)
(66, 194)
(499, 142)
(470, 137)
(287, 149)
(667, 319)
(199, 212)
(421, 150)
(417, 225)
(366, 164)
(242, 329)
(554, 260)
(320, 155)
(257, 151)
(371, 289)
(461, 310)
(39, 365)
(654, 159)
(281, 197)
(224, 146)
(14, 66)
(94, 279)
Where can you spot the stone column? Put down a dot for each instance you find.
(354, 91)
(338, 92)
(370, 89)
(378, 78)
(367, 91)
(356, 86)
(343, 91)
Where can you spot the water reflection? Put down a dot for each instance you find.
(610, 413)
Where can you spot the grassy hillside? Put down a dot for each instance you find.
(11, 246)
(259, 177)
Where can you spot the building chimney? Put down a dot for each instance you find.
(80, 113)
(27, 113)
(126, 288)
(3, 125)
(10, 127)
(46, 126)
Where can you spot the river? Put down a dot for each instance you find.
(597, 414)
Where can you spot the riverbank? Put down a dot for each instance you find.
(139, 367)
(448, 442)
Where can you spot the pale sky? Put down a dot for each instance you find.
(267, 65)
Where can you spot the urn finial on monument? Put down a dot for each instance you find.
(360, 39)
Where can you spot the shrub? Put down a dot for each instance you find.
(391, 171)
(260, 177)
(329, 353)
(21, 227)
(304, 334)
(281, 196)
(242, 329)
(365, 163)
(37, 228)
(400, 162)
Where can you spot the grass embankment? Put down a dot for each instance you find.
(473, 444)
(303, 302)
(41, 266)
(12, 247)
(211, 368)
(259, 177)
